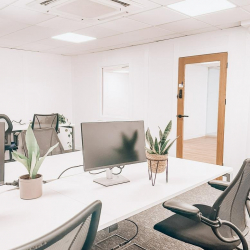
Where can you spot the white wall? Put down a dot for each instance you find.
(116, 95)
(33, 82)
(154, 78)
(212, 101)
(195, 101)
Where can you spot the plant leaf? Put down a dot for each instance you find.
(166, 132)
(149, 150)
(169, 146)
(32, 166)
(164, 146)
(39, 163)
(21, 158)
(160, 133)
(149, 139)
(31, 144)
(156, 146)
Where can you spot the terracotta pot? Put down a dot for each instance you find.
(30, 188)
(157, 163)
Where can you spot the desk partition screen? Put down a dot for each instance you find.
(2, 144)
(110, 144)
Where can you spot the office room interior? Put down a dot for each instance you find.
(142, 109)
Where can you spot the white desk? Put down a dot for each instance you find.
(22, 221)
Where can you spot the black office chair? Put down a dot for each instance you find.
(77, 234)
(46, 138)
(46, 121)
(9, 145)
(220, 227)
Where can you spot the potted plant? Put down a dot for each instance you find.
(30, 185)
(157, 150)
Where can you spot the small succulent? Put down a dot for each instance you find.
(33, 162)
(161, 146)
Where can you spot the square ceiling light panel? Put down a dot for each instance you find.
(73, 38)
(201, 7)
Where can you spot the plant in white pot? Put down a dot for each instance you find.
(30, 185)
(157, 150)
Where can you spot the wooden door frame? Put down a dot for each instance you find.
(183, 61)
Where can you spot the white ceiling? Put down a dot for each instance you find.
(22, 27)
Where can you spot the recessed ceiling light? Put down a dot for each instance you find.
(200, 7)
(74, 38)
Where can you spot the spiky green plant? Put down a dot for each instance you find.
(161, 146)
(33, 162)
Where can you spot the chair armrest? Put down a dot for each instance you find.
(183, 209)
(220, 185)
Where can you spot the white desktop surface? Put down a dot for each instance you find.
(65, 197)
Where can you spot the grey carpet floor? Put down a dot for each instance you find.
(147, 236)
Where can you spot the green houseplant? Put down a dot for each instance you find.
(30, 185)
(157, 150)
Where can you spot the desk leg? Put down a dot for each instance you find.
(229, 177)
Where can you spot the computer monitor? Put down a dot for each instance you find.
(111, 144)
(2, 152)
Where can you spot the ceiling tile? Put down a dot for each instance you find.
(229, 25)
(167, 2)
(200, 31)
(36, 47)
(124, 25)
(23, 15)
(31, 34)
(4, 3)
(7, 27)
(184, 25)
(63, 24)
(240, 2)
(6, 43)
(98, 32)
(224, 17)
(158, 16)
(247, 8)
(147, 33)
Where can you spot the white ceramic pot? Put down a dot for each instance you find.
(30, 188)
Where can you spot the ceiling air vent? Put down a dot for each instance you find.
(117, 1)
(47, 2)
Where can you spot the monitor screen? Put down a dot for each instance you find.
(110, 144)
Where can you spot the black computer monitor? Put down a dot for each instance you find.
(2, 152)
(112, 144)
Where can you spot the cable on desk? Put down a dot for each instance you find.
(14, 183)
(98, 172)
(68, 169)
(121, 168)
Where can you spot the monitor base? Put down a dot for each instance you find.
(111, 180)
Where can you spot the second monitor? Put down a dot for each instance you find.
(112, 144)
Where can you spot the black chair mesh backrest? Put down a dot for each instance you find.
(45, 121)
(77, 234)
(231, 205)
(46, 138)
(8, 128)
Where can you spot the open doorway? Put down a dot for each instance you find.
(201, 108)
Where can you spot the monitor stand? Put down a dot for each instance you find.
(111, 179)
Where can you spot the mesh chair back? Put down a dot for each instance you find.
(231, 205)
(45, 121)
(46, 138)
(8, 128)
(77, 234)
